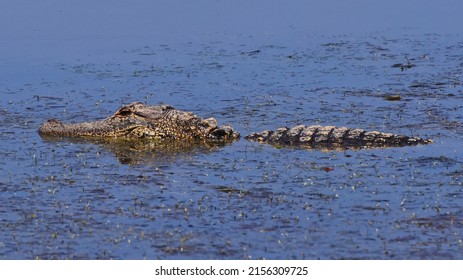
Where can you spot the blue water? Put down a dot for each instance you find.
(255, 66)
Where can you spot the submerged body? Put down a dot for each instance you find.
(164, 123)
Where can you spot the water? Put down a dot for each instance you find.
(83, 200)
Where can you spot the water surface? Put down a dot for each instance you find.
(84, 200)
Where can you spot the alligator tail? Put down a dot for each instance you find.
(331, 136)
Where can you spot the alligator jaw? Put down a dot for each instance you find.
(55, 128)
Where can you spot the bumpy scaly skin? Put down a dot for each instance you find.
(163, 122)
(140, 121)
(317, 136)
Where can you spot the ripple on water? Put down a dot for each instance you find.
(94, 200)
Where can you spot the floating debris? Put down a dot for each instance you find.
(403, 67)
(250, 53)
(394, 97)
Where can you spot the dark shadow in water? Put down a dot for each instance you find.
(145, 151)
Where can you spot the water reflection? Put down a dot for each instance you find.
(145, 151)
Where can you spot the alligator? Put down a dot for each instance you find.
(165, 123)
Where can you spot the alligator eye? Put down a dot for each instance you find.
(124, 113)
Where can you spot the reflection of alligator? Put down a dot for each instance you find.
(163, 123)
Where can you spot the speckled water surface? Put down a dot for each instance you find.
(84, 200)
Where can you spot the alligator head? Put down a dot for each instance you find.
(140, 121)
